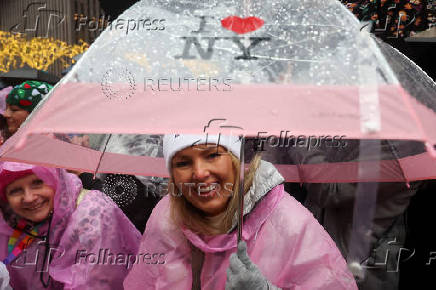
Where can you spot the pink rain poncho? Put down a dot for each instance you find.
(83, 236)
(283, 239)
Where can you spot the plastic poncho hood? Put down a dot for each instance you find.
(283, 239)
(11, 171)
(77, 229)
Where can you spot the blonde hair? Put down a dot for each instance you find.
(184, 213)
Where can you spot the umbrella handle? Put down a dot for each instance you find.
(365, 204)
(241, 191)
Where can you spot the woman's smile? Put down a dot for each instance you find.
(36, 206)
(207, 191)
(205, 176)
(30, 198)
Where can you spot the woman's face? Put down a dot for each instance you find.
(205, 176)
(30, 198)
(15, 116)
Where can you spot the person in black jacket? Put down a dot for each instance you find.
(418, 260)
(135, 195)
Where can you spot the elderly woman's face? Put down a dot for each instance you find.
(205, 176)
(30, 198)
(15, 116)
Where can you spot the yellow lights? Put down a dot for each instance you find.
(38, 53)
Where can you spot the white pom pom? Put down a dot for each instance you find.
(35, 92)
(4, 277)
(357, 270)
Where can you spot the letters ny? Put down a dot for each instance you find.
(207, 53)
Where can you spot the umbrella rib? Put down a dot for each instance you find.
(241, 191)
(397, 158)
(101, 156)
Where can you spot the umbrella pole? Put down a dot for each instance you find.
(241, 191)
(365, 204)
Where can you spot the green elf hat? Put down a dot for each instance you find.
(28, 94)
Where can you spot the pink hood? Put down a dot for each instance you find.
(97, 223)
(283, 239)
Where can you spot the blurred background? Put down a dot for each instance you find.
(41, 39)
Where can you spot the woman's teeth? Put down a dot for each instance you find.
(207, 189)
(36, 206)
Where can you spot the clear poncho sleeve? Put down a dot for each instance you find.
(98, 246)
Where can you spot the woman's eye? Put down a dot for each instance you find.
(37, 183)
(181, 164)
(214, 155)
(14, 191)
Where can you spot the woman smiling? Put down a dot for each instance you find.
(47, 219)
(30, 198)
(195, 225)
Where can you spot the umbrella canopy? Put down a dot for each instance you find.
(305, 67)
(256, 69)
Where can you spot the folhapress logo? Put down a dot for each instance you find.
(31, 23)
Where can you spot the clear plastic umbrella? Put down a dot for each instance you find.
(299, 66)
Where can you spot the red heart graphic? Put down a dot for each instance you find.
(242, 25)
(27, 86)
